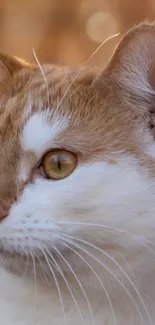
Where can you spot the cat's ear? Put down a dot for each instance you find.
(130, 74)
(10, 65)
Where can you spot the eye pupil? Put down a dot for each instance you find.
(59, 163)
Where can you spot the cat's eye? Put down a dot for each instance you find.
(58, 164)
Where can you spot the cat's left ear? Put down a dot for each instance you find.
(130, 74)
(10, 65)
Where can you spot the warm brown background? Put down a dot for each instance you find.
(67, 31)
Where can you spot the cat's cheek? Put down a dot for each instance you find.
(45, 207)
(96, 193)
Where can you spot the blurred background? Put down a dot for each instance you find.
(68, 31)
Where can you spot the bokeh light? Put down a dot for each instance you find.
(67, 31)
(100, 26)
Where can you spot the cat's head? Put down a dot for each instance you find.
(77, 150)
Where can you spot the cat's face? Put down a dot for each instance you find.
(76, 150)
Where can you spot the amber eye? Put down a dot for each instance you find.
(58, 164)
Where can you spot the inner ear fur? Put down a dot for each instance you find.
(130, 73)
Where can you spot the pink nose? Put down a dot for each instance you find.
(2, 216)
(4, 212)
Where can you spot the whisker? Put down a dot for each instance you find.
(74, 92)
(78, 281)
(42, 72)
(84, 65)
(26, 267)
(43, 270)
(90, 224)
(108, 270)
(67, 284)
(35, 277)
(129, 267)
(108, 297)
(56, 283)
(121, 269)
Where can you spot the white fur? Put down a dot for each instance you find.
(38, 133)
(117, 196)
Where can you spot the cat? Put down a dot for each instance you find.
(77, 189)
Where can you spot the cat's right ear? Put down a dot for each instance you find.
(130, 74)
(10, 65)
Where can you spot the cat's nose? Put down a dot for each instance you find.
(4, 211)
(2, 216)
